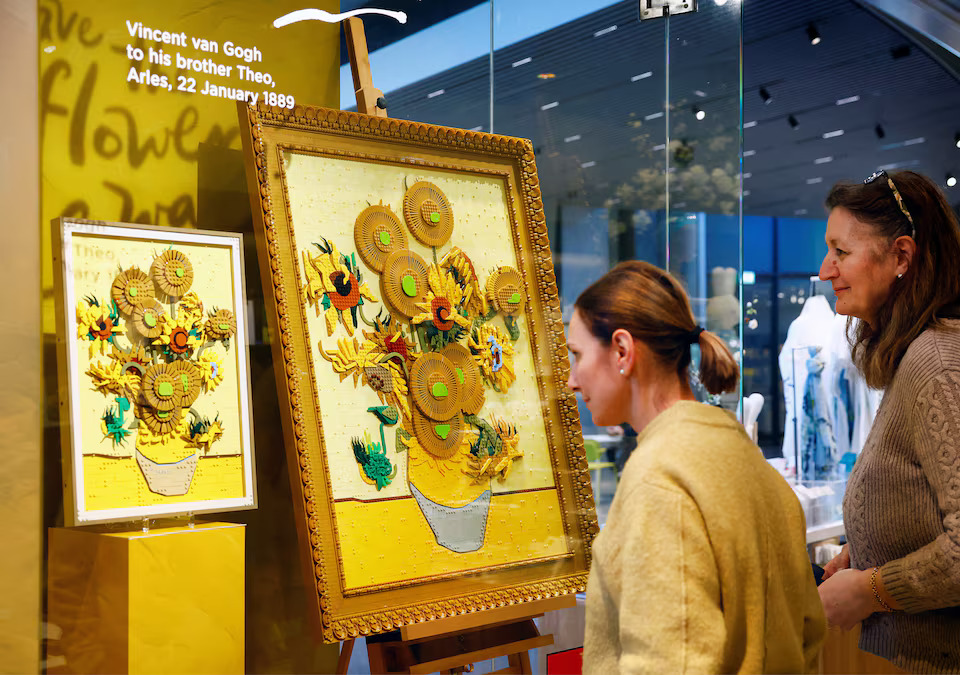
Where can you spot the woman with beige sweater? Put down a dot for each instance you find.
(894, 261)
(702, 565)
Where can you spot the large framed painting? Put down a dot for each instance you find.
(438, 465)
(154, 377)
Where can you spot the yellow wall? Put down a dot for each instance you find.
(20, 369)
(115, 149)
(122, 151)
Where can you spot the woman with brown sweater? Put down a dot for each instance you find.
(894, 261)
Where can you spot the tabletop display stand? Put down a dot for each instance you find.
(448, 645)
(162, 600)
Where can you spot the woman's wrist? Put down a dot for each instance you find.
(882, 600)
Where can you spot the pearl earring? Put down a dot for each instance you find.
(621, 372)
(900, 276)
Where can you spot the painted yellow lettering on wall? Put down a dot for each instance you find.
(129, 92)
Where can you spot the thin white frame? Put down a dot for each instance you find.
(74, 507)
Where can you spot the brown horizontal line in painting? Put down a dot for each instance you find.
(387, 499)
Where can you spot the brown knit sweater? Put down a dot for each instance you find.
(902, 507)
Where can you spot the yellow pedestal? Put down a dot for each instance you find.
(170, 600)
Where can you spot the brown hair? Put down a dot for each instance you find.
(932, 280)
(652, 306)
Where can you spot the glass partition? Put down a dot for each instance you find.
(702, 162)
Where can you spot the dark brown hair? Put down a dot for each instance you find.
(932, 280)
(652, 306)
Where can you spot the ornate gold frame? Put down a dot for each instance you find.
(266, 132)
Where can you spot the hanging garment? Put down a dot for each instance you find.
(810, 329)
(819, 446)
(837, 379)
(847, 383)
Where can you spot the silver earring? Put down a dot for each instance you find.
(900, 276)
(621, 372)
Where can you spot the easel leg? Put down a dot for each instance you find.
(520, 663)
(346, 651)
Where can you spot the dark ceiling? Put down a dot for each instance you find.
(602, 143)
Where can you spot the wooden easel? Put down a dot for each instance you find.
(448, 645)
(451, 645)
(370, 100)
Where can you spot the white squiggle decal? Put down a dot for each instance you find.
(321, 15)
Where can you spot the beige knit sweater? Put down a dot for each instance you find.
(902, 507)
(702, 565)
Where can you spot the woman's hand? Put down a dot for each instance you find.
(841, 561)
(847, 597)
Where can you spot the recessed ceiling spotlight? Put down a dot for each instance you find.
(765, 95)
(792, 121)
(813, 34)
(951, 180)
(956, 139)
(699, 113)
(878, 130)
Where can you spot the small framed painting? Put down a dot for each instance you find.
(418, 344)
(154, 376)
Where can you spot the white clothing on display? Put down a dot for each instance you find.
(807, 330)
(851, 405)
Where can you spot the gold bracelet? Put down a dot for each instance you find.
(876, 593)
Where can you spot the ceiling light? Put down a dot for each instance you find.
(951, 180)
(833, 134)
(878, 130)
(765, 95)
(848, 99)
(792, 121)
(813, 34)
(699, 113)
(719, 3)
(956, 139)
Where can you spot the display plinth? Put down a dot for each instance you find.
(170, 600)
